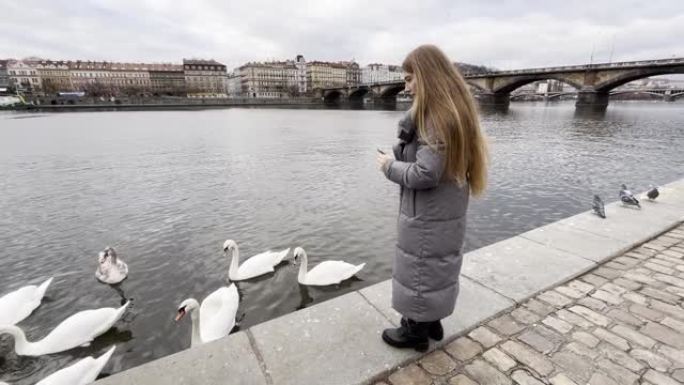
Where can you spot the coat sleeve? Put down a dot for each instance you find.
(426, 172)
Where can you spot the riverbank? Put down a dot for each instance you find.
(338, 341)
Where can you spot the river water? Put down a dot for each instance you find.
(166, 188)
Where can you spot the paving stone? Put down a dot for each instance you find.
(499, 359)
(678, 375)
(627, 260)
(410, 375)
(645, 251)
(484, 373)
(674, 254)
(642, 278)
(580, 286)
(537, 341)
(676, 356)
(438, 363)
(658, 378)
(653, 360)
(505, 325)
(463, 349)
(612, 338)
(485, 336)
(607, 297)
(554, 298)
(664, 260)
(613, 289)
(599, 378)
(674, 324)
(461, 379)
(570, 292)
(624, 317)
(617, 372)
(557, 324)
(627, 284)
(658, 268)
(592, 303)
(620, 357)
(664, 334)
(573, 318)
(633, 336)
(654, 246)
(525, 316)
(659, 294)
(636, 298)
(581, 349)
(585, 338)
(528, 357)
(575, 366)
(672, 310)
(637, 255)
(607, 273)
(562, 379)
(593, 279)
(539, 307)
(591, 315)
(521, 377)
(669, 279)
(646, 312)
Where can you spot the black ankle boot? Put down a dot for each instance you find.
(412, 335)
(435, 330)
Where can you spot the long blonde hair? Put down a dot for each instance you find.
(443, 101)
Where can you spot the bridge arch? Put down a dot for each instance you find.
(677, 96)
(392, 91)
(332, 96)
(641, 73)
(359, 93)
(524, 80)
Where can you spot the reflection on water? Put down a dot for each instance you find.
(166, 189)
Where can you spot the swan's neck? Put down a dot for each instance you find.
(303, 268)
(21, 345)
(234, 262)
(196, 339)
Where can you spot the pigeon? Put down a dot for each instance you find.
(627, 198)
(598, 206)
(653, 193)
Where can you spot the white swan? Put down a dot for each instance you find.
(83, 372)
(255, 266)
(77, 330)
(110, 269)
(216, 316)
(19, 304)
(325, 273)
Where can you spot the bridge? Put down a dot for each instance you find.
(667, 94)
(593, 82)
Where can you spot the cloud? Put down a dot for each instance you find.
(503, 34)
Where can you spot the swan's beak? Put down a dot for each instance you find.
(181, 314)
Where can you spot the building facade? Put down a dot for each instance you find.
(23, 76)
(167, 79)
(4, 77)
(380, 73)
(205, 77)
(300, 74)
(91, 77)
(325, 75)
(54, 76)
(268, 80)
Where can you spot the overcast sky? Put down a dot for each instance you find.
(505, 34)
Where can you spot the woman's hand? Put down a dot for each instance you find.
(384, 161)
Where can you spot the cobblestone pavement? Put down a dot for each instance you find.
(620, 324)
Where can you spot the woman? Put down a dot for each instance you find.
(441, 158)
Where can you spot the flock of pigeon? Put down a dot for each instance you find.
(626, 197)
(212, 319)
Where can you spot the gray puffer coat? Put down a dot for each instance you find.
(431, 228)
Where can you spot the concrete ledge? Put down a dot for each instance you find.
(338, 341)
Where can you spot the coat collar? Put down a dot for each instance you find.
(407, 128)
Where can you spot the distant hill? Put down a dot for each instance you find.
(472, 69)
